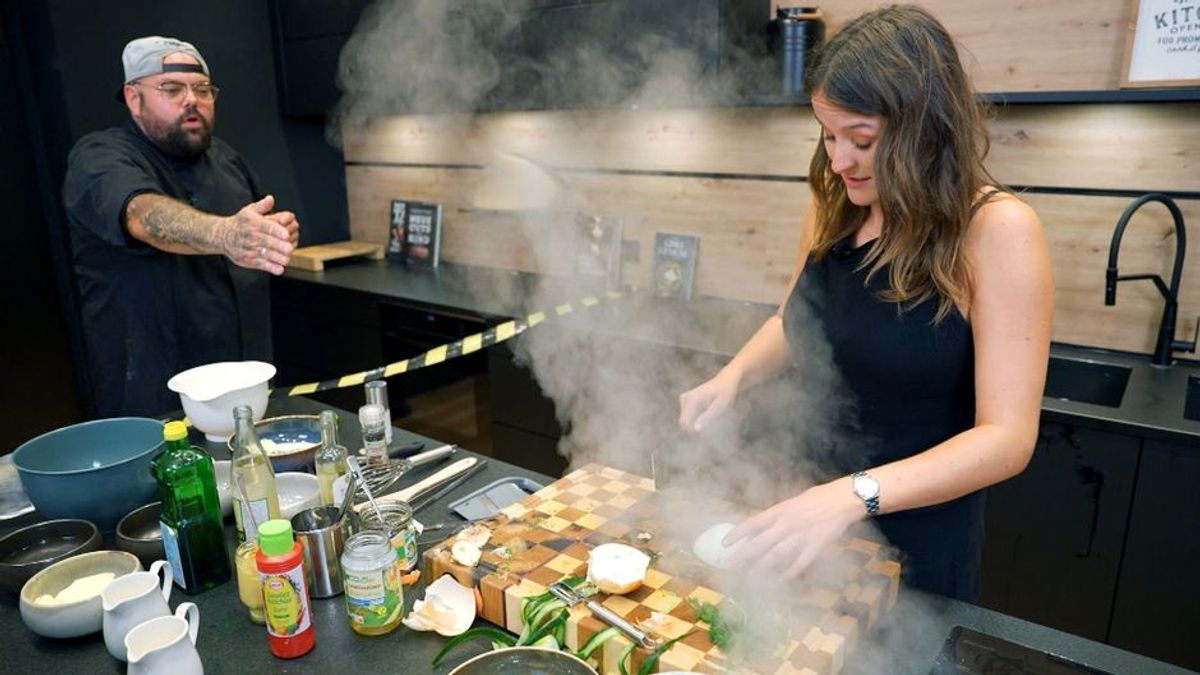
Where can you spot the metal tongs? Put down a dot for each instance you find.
(571, 597)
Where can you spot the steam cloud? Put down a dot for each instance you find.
(616, 397)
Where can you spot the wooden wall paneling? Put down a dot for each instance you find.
(1148, 146)
(750, 230)
(1113, 146)
(413, 139)
(737, 140)
(1079, 230)
(1069, 45)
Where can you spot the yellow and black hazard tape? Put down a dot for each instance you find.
(442, 353)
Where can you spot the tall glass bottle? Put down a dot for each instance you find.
(331, 458)
(192, 531)
(255, 499)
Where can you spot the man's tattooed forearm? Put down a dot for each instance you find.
(171, 222)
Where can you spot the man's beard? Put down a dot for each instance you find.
(173, 139)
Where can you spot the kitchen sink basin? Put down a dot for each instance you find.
(1088, 382)
(1191, 405)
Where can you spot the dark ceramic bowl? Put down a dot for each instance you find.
(32, 549)
(300, 434)
(139, 533)
(97, 470)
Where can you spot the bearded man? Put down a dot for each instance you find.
(172, 236)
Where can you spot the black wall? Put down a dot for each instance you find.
(61, 66)
(38, 388)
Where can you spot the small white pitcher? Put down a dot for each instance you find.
(134, 599)
(166, 645)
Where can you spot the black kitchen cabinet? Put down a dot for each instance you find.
(1055, 532)
(569, 54)
(320, 333)
(1157, 609)
(527, 450)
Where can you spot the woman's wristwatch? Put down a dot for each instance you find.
(867, 489)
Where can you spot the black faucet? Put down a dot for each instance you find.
(1166, 344)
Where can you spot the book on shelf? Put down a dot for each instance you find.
(675, 264)
(422, 234)
(598, 249)
(396, 228)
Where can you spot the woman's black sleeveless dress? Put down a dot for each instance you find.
(913, 382)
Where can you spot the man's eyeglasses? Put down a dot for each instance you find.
(176, 92)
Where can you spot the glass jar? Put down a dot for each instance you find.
(398, 517)
(248, 581)
(371, 581)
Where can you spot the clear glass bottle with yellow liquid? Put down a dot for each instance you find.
(255, 499)
(331, 457)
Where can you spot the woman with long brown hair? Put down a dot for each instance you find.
(933, 287)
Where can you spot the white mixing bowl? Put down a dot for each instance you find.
(209, 393)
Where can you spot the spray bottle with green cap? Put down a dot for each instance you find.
(286, 602)
(192, 532)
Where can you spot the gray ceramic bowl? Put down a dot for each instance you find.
(300, 433)
(524, 661)
(97, 470)
(77, 618)
(139, 533)
(32, 549)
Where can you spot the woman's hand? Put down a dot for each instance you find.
(698, 407)
(786, 538)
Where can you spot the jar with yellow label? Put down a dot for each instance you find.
(398, 524)
(371, 581)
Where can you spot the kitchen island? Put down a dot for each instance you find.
(1118, 435)
(229, 643)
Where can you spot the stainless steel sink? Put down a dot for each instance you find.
(1191, 405)
(1088, 382)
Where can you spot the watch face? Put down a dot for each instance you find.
(866, 487)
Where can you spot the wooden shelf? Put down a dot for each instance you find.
(1186, 94)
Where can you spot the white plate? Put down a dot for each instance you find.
(297, 491)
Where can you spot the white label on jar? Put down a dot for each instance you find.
(171, 547)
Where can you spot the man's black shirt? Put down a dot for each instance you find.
(147, 314)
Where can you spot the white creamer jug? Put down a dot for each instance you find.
(166, 645)
(134, 599)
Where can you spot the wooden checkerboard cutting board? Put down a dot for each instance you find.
(547, 537)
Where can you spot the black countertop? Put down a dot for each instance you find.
(230, 643)
(1152, 406)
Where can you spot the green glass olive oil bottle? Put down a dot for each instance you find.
(192, 531)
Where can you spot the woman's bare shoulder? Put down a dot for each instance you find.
(1004, 220)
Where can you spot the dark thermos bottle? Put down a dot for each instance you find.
(795, 33)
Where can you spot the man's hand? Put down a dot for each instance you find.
(288, 220)
(255, 238)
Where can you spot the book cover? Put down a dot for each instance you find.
(423, 234)
(675, 264)
(598, 249)
(396, 227)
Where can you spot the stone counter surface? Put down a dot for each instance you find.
(230, 643)
(1152, 406)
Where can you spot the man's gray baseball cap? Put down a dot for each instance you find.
(144, 56)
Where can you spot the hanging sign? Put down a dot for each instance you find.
(1162, 47)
